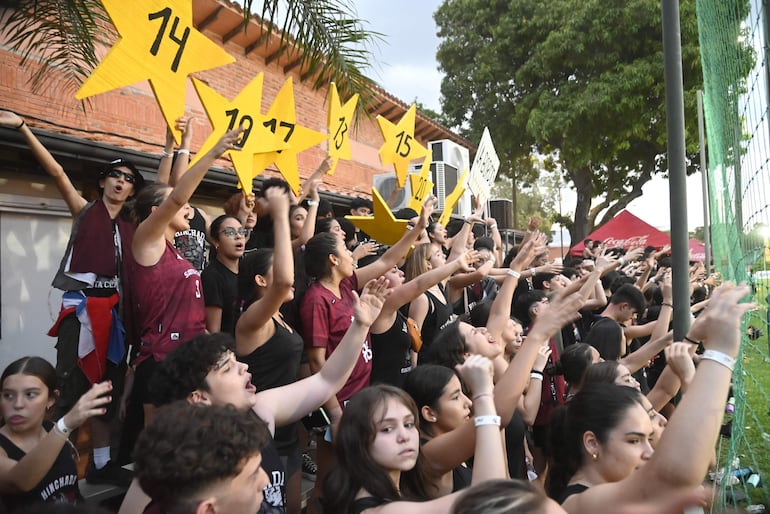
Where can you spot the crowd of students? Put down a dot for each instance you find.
(405, 362)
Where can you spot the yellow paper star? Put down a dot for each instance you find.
(159, 43)
(453, 198)
(281, 120)
(400, 146)
(421, 184)
(339, 122)
(382, 226)
(243, 110)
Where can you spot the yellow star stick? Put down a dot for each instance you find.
(281, 120)
(244, 110)
(421, 184)
(339, 122)
(382, 226)
(159, 43)
(453, 198)
(400, 146)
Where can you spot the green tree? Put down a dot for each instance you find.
(64, 34)
(580, 80)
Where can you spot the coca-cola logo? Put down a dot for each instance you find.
(631, 242)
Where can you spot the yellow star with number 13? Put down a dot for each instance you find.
(339, 124)
(400, 146)
(453, 198)
(244, 110)
(382, 226)
(281, 119)
(421, 184)
(159, 43)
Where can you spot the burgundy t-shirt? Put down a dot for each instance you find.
(170, 304)
(325, 320)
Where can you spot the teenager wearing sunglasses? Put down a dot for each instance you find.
(92, 272)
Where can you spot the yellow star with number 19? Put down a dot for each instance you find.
(382, 226)
(453, 198)
(400, 146)
(281, 120)
(244, 110)
(421, 184)
(339, 124)
(159, 43)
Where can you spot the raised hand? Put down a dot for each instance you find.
(369, 305)
(427, 209)
(365, 249)
(467, 259)
(542, 358)
(227, 142)
(679, 358)
(92, 403)
(277, 201)
(10, 119)
(718, 326)
(476, 373)
(557, 313)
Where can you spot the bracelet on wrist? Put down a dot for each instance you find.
(720, 358)
(312, 203)
(164, 153)
(493, 226)
(481, 395)
(515, 274)
(536, 374)
(481, 421)
(533, 271)
(183, 151)
(18, 127)
(62, 428)
(666, 304)
(469, 222)
(690, 340)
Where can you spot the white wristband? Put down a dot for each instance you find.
(164, 153)
(62, 427)
(514, 273)
(538, 376)
(312, 203)
(183, 150)
(493, 226)
(481, 421)
(719, 357)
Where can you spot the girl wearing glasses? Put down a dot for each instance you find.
(220, 278)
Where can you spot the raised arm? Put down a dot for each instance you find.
(283, 405)
(165, 173)
(75, 202)
(149, 240)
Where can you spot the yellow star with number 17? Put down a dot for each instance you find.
(159, 43)
(421, 184)
(281, 119)
(400, 146)
(453, 198)
(244, 110)
(339, 123)
(382, 226)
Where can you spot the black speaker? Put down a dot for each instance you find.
(502, 211)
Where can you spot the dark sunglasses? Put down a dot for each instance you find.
(116, 173)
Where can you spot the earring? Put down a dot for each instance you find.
(594, 456)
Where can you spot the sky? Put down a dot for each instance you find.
(405, 65)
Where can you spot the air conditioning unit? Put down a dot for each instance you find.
(386, 183)
(445, 178)
(451, 153)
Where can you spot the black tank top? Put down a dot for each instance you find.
(439, 315)
(368, 502)
(275, 364)
(569, 491)
(59, 485)
(391, 360)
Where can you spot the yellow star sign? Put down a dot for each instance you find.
(339, 123)
(382, 226)
(453, 198)
(157, 43)
(245, 111)
(400, 146)
(281, 120)
(421, 184)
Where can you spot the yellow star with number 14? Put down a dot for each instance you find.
(453, 198)
(281, 119)
(400, 146)
(382, 226)
(244, 110)
(339, 124)
(421, 184)
(159, 43)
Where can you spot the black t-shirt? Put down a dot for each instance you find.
(191, 243)
(606, 335)
(515, 432)
(220, 289)
(391, 360)
(275, 491)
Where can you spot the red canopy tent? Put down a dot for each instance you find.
(697, 250)
(625, 231)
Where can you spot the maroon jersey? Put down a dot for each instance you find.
(169, 301)
(325, 319)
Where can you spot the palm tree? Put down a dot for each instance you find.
(332, 43)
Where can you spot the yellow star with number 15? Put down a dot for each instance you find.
(453, 198)
(382, 226)
(244, 110)
(159, 43)
(400, 146)
(339, 124)
(281, 119)
(421, 184)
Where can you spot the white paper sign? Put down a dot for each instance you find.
(484, 169)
